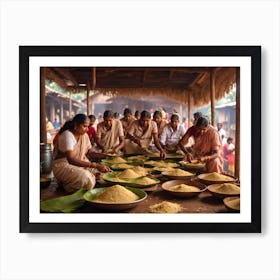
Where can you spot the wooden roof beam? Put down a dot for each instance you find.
(93, 78)
(54, 77)
(171, 75)
(145, 75)
(67, 74)
(199, 79)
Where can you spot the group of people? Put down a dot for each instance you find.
(79, 146)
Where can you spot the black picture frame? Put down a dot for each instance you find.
(254, 52)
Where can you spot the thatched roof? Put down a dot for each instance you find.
(176, 83)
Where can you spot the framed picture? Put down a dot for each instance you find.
(59, 82)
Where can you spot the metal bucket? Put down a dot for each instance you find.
(46, 158)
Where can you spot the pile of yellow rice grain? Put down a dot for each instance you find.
(217, 177)
(184, 188)
(116, 194)
(177, 172)
(228, 188)
(234, 204)
(165, 207)
(128, 174)
(146, 181)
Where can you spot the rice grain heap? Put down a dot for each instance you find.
(140, 170)
(122, 165)
(139, 157)
(162, 163)
(116, 194)
(234, 204)
(184, 188)
(146, 181)
(128, 174)
(177, 172)
(162, 169)
(228, 188)
(117, 160)
(165, 207)
(217, 177)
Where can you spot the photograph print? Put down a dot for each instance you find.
(140, 139)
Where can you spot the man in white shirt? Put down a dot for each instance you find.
(222, 133)
(172, 134)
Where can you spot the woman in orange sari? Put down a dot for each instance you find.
(207, 147)
(71, 166)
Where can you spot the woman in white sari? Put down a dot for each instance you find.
(71, 166)
(140, 135)
(110, 136)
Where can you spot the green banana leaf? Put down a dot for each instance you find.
(65, 204)
(112, 178)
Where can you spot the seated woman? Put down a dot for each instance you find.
(172, 134)
(71, 166)
(110, 136)
(140, 136)
(207, 147)
(157, 117)
(127, 120)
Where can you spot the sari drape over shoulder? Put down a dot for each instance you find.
(70, 176)
(145, 137)
(110, 138)
(126, 124)
(161, 126)
(205, 144)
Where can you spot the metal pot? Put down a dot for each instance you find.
(46, 158)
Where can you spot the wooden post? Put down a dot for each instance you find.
(43, 131)
(93, 86)
(70, 106)
(88, 98)
(181, 112)
(61, 113)
(133, 109)
(189, 109)
(52, 111)
(237, 126)
(92, 108)
(93, 78)
(212, 96)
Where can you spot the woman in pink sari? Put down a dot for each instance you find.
(71, 166)
(207, 147)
